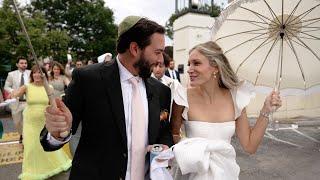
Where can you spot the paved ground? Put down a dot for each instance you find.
(9, 172)
(12, 171)
(290, 154)
(287, 154)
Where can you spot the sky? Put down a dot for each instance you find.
(156, 10)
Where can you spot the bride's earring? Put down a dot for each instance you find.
(215, 75)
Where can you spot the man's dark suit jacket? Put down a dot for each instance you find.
(177, 74)
(94, 97)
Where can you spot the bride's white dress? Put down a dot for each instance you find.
(206, 152)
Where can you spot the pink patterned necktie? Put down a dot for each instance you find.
(138, 149)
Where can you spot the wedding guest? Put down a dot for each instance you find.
(171, 72)
(57, 79)
(38, 164)
(16, 79)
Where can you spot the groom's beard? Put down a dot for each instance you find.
(144, 67)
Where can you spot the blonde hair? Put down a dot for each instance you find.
(227, 78)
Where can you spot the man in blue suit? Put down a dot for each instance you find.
(171, 72)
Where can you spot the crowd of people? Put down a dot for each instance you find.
(27, 113)
(37, 164)
(118, 105)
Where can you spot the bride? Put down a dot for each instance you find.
(212, 110)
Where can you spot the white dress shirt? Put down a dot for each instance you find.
(164, 80)
(126, 88)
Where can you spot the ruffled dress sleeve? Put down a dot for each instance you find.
(241, 96)
(179, 94)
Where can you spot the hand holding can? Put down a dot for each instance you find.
(155, 150)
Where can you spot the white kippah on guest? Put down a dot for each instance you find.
(102, 57)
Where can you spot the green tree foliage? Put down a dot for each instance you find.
(88, 23)
(169, 50)
(213, 11)
(8, 36)
(13, 41)
(169, 25)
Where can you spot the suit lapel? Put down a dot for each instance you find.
(112, 85)
(154, 111)
(16, 80)
(111, 80)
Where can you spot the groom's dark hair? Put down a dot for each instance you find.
(139, 33)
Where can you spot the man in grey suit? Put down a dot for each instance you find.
(14, 81)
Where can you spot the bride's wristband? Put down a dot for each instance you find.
(265, 114)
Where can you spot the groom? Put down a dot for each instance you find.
(119, 107)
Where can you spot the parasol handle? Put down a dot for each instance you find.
(52, 100)
(44, 79)
(274, 123)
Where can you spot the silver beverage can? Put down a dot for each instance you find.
(155, 150)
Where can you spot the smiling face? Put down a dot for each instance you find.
(151, 55)
(36, 75)
(56, 70)
(200, 71)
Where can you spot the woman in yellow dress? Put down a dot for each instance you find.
(38, 164)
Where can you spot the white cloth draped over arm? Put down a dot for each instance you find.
(8, 102)
(200, 158)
